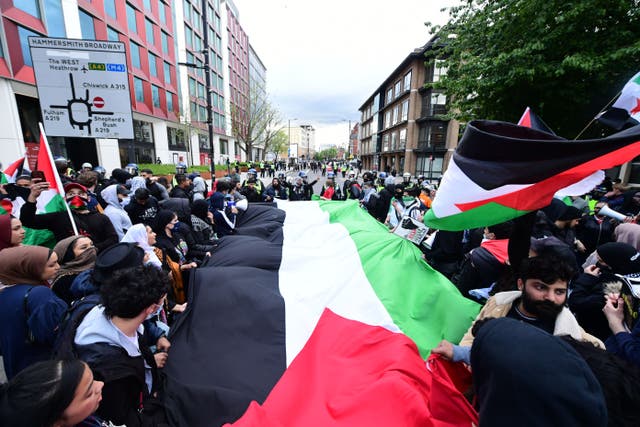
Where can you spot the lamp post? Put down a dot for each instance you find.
(207, 82)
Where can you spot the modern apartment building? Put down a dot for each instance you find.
(257, 91)
(402, 126)
(147, 29)
(302, 141)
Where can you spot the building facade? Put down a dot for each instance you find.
(146, 27)
(258, 92)
(302, 141)
(403, 128)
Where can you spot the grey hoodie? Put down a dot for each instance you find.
(114, 210)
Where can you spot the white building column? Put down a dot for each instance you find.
(108, 154)
(11, 138)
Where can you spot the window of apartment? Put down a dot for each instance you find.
(220, 84)
(438, 103)
(387, 119)
(193, 109)
(131, 19)
(395, 114)
(407, 81)
(403, 139)
(86, 26)
(197, 20)
(138, 89)
(54, 18)
(167, 72)
(405, 110)
(188, 34)
(202, 113)
(162, 12)
(197, 42)
(389, 95)
(192, 87)
(29, 6)
(385, 142)
(153, 65)
(165, 42)
(439, 70)
(23, 35)
(135, 54)
(149, 29)
(394, 141)
(397, 88)
(216, 22)
(224, 146)
(187, 10)
(221, 102)
(147, 4)
(155, 95)
(177, 138)
(201, 91)
(110, 8)
(112, 35)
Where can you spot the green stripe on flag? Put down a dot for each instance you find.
(422, 303)
(482, 216)
(637, 80)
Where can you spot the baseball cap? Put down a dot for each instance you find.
(121, 189)
(71, 185)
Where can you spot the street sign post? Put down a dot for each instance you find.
(83, 87)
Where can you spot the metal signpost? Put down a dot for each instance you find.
(83, 87)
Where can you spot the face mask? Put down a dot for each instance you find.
(155, 313)
(124, 202)
(603, 268)
(77, 203)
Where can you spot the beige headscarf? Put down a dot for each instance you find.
(23, 265)
(70, 264)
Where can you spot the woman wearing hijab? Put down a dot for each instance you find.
(11, 232)
(75, 255)
(201, 223)
(29, 311)
(629, 233)
(144, 237)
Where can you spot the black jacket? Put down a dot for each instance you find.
(586, 301)
(143, 214)
(93, 224)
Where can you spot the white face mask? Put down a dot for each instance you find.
(124, 202)
(155, 313)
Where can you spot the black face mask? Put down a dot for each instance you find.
(603, 268)
(398, 196)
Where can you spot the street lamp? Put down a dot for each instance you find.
(289, 149)
(207, 82)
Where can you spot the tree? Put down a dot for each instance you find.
(564, 59)
(329, 153)
(254, 120)
(278, 143)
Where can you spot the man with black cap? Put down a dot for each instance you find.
(143, 208)
(250, 191)
(588, 290)
(91, 224)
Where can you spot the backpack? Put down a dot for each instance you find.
(356, 190)
(63, 346)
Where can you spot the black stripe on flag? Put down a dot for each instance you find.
(493, 154)
(229, 346)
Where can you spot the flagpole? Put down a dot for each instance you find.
(598, 115)
(56, 176)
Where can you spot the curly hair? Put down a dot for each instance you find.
(547, 267)
(129, 291)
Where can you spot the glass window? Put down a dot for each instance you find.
(387, 119)
(394, 141)
(54, 18)
(397, 88)
(385, 142)
(439, 70)
(147, 4)
(188, 34)
(405, 110)
(155, 95)
(110, 8)
(223, 146)
(202, 113)
(153, 66)
(86, 26)
(187, 9)
(221, 102)
(135, 55)
(201, 90)
(165, 42)
(131, 19)
(197, 42)
(23, 33)
(167, 73)
(407, 81)
(220, 84)
(192, 86)
(403, 139)
(29, 6)
(162, 11)
(214, 100)
(395, 115)
(194, 111)
(139, 89)
(112, 35)
(169, 96)
(438, 103)
(149, 28)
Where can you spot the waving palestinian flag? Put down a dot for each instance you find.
(501, 171)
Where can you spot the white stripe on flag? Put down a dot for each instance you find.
(310, 240)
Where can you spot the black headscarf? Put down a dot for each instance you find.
(200, 208)
(526, 377)
(163, 217)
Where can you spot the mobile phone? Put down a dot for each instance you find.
(37, 174)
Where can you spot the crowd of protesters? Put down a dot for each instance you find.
(83, 327)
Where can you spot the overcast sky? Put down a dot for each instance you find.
(324, 58)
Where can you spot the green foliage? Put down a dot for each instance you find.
(329, 153)
(278, 143)
(164, 169)
(564, 59)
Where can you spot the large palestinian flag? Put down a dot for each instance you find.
(351, 309)
(501, 171)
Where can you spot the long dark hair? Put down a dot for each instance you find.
(38, 395)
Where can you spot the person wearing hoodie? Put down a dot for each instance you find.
(110, 340)
(75, 255)
(199, 188)
(114, 196)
